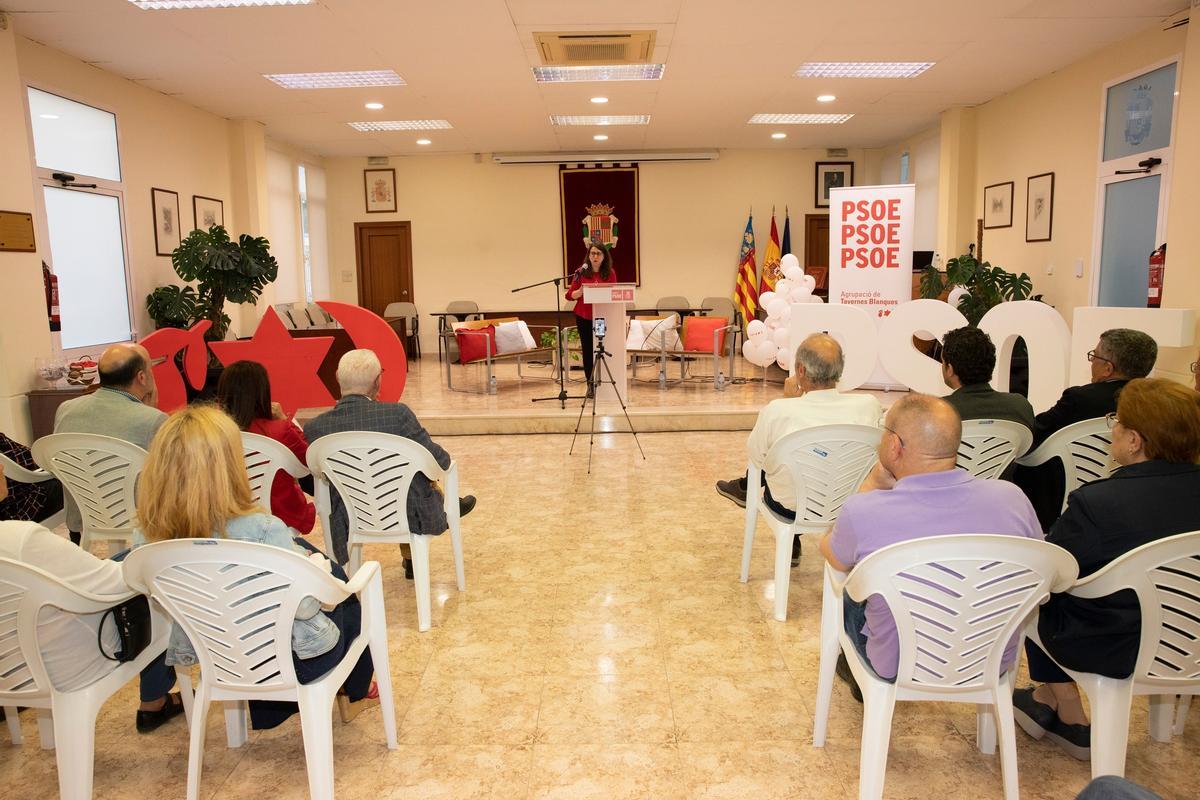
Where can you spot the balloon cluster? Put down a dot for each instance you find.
(770, 341)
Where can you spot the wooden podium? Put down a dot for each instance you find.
(609, 301)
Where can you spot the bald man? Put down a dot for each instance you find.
(915, 491)
(123, 408)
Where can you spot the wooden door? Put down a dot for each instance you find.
(816, 250)
(383, 251)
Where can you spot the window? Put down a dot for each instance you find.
(305, 243)
(904, 167)
(1138, 114)
(73, 137)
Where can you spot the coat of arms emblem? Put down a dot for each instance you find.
(1139, 115)
(600, 223)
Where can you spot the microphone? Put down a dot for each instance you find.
(579, 272)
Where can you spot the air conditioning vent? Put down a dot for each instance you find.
(587, 49)
(1178, 19)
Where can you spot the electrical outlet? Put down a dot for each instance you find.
(1079, 268)
(1049, 269)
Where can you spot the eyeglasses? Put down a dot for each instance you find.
(1110, 419)
(1092, 355)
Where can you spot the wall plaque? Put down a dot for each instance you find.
(16, 232)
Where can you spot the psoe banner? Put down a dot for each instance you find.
(870, 253)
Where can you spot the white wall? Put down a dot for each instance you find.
(924, 153)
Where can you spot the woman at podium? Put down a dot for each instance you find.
(597, 269)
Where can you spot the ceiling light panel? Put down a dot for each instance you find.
(402, 125)
(799, 119)
(607, 119)
(169, 5)
(612, 72)
(336, 80)
(862, 69)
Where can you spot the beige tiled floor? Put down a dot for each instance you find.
(604, 649)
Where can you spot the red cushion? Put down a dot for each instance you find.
(698, 333)
(473, 344)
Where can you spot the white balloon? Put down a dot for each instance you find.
(749, 351)
(785, 318)
(755, 329)
(777, 307)
(782, 287)
(790, 260)
(783, 358)
(793, 273)
(772, 324)
(956, 294)
(798, 294)
(782, 337)
(766, 353)
(765, 299)
(810, 282)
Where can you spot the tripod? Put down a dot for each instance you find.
(562, 397)
(600, 369)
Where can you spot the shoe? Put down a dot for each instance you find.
(408, 573)
(591, 392)
(349, 709)
(843, 672)
(149, 720)
(1033, 716)
(1076, 740)
(465, 505)
(796, 552)
(733, 491)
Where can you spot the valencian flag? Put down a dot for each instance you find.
(744, 295)
(787, 233)
(770, 267)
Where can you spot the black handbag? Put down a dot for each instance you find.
(132, 619)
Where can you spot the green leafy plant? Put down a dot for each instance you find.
(986, 286)
(223, 270)
(172, 306)
(550, 339)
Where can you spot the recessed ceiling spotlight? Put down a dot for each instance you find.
(601, 137)
(167, 5)
(618, 119)
(336, 80)
(862, 69)
(826, 98)
(402, 125)
(374, 106)
(599, 100)
(779, 135)
(611, 72)
(799, 119)
(424, 141)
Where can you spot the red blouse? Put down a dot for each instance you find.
(582, 309)
(287, 501)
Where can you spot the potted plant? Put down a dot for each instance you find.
(224, 270)
(549, 338)
(172, 306)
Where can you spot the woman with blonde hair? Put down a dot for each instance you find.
(194, 486)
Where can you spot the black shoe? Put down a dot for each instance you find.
(796, 552)
(591, 392)
(1033, 716)
(149, 720)
(1076, 740)
(465, 505)
(733, 491)
(843, 672)
(408, 573)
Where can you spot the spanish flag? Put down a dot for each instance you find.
(770, 267)
(744, 295)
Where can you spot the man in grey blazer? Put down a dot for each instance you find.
(123, 408)
(359, 374)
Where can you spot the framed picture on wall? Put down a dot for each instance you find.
(1039, 207)
(997, 205)
(379, 187)
(832, 175)
(207, 211)
(166, 221)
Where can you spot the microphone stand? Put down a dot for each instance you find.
(562, 397)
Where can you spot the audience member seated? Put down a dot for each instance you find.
(30, 501)
(123, 407)
(968, 359)
(915, 491)
(203, 443)
(70, 643)
(244, 391)
(359, 374)
(1152, 495)
(818, 368)
(1120, 356)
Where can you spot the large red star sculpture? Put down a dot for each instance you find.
(165, 343)
(291, 364)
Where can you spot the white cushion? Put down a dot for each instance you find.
(526, 336)
(662, 334)
(636, 339)
(509, 339)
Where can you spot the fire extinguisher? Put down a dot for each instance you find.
(51, 284)
(1158, 264)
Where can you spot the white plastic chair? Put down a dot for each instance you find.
(826, 465)
(66, 719)
(957, 601)
(1166, 576)
(100, 473)
(372, 473)
(989, 445)
(264, 458)
(236, 602)
(14, 471)
(1083, 449)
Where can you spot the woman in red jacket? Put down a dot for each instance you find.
(244, 391)
(598, 269)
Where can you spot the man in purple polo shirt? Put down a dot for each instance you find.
(915, 491)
